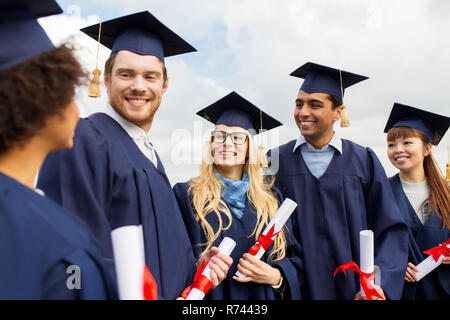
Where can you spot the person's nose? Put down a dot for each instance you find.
(398, 148)
(138, 84)
(304, 112)
(228, 141)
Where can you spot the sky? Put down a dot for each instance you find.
(251, 47)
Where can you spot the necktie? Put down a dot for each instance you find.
(150, 154)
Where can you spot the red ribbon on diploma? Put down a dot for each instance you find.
(263, 241)
(439, 250)
(201, 282)
(364, 279)
(150, 287)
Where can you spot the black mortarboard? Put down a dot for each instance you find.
(140, 33)
(235, 111)
(433, 125)
(21, 35)
(319, 78)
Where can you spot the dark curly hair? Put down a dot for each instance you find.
(35, 90)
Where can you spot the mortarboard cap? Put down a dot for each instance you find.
(21, 35)
(140, 33)
(433, 125)
(323, 79)
(235, 111)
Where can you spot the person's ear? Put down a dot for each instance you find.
(427, 149)
(166, 84)
(337, 113)
(106, 80)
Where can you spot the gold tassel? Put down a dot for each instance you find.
(262, 157)
(448, 172)
(261, 154)
(94, 85)
(344, 118)
(447, 176)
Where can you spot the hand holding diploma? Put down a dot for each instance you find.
(380, 296)
(213, 269)
(270, 232)
(438, 255)
(257, 271)
(368, 291)
(219, 264)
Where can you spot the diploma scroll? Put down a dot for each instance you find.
(366, 263)
(129, 259)
(226, 247)
(367, 272)
(273, 228)
(430, 263)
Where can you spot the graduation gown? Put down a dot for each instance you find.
(39, 241)
(107, 181)
(352, 195)
(422, 237)
(239, 231)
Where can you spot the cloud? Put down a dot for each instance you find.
(251, 47)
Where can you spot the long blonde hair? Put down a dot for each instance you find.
(206, 199)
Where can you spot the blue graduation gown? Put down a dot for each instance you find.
(239, 231)
(352, 195)
(39, 240)
(422, 237)
(107, 181)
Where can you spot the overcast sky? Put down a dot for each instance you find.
(252, 46)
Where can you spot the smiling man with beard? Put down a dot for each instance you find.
(341, 189)
(113, 177)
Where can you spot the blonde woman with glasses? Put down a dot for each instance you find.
(232, 198)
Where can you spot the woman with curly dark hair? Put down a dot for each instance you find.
(45, 251)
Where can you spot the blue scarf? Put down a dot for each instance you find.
(234, 193)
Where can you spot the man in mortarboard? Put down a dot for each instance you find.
(341, 188)
(113, 177)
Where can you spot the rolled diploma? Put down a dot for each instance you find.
(366, 253)
(284, 212)
(226, 246)
(129, 259)
(428, 265)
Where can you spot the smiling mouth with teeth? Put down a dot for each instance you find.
(137, 101)
(227, 153)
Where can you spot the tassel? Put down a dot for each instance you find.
(344, 119)
(448, 172)
(94, 85)
(261, 154)
(447, 176)
(262, 157)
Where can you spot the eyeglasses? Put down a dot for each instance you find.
(220, 136)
